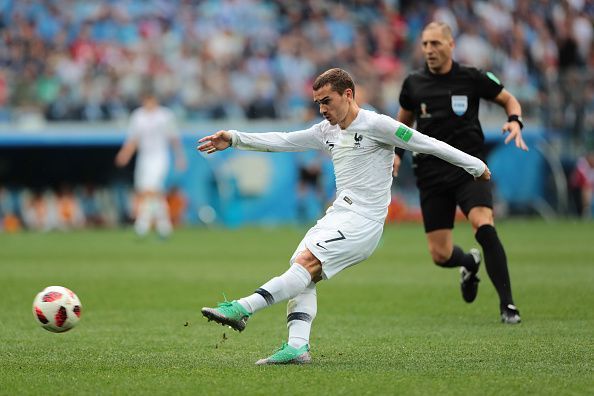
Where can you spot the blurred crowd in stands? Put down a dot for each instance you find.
(68, 208)
(212, 59)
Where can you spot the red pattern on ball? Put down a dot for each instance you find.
(61, 316)
(51, 296)
(41, 316)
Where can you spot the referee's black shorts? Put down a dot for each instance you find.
(438, 204)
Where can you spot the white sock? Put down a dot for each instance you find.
(142, 224)
(280, 288)
(301, 311)
(163, 222)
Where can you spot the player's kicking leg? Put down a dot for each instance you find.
(228, 313)
(236, 313)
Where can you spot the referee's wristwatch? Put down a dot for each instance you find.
(516, 118)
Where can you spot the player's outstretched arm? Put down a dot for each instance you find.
(397, 134)
(307, 139)
(421, 143)
(213, 143)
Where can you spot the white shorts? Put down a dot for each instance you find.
(340, 239)
(150, 175)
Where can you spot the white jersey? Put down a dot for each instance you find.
(153, 129)
(363, 156)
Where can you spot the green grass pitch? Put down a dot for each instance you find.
(395, 324)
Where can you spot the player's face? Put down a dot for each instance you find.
(437, 49)
(334, 107)
(150, 102)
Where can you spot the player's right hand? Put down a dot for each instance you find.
(217, 142)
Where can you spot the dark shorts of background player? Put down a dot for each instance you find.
(438, 204)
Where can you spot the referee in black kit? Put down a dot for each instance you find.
(443, 98)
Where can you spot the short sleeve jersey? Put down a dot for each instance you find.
(446, 107)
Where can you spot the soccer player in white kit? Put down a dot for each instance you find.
(151, 132)
(361, 144)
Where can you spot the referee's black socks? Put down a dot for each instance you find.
(495, 262)
(459, 258)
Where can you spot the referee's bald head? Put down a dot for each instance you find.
(443, 27)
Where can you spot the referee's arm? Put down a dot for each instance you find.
(406, 117)
(514, 124)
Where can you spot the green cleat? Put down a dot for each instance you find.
(287, 354)
(228, 313)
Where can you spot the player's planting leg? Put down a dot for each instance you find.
(280, 288)
(496, 264)
(301, 311)
(287, 354)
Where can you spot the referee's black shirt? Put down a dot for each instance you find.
(446, 107)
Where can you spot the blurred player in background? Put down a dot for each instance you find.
(151, 132)
(361, 144)
(443, 99)
(582, 180)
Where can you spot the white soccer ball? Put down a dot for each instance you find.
(57, 309)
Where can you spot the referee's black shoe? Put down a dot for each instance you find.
(468, 279)
(510, 314)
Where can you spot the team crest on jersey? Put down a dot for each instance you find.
(459, 104)
(358, 141)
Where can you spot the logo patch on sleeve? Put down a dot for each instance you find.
(403, 133)
(492, 77)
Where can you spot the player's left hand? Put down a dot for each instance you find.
(486, 174)
(515, 133)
